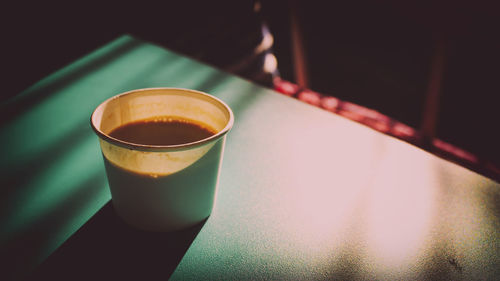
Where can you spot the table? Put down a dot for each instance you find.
(304, 194)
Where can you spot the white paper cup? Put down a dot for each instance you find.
(162, 187)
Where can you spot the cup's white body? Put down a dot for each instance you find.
(166, 203)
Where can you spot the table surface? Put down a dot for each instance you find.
(303, 194)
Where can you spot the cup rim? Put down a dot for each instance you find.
(163, 148)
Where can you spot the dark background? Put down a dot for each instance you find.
(378, 54)
(374, 53)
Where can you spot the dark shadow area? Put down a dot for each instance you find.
(30, 244)
(107, 248)
(26, 102)
(364, 52)
(378, 54)
(47, 36)
(469, 113)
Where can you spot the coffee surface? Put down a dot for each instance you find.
(162, 131)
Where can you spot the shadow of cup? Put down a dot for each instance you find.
(108, 248)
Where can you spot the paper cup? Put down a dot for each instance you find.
(162, 187)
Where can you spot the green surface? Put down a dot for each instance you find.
(53, 177)
(303, 194)
(308, 195)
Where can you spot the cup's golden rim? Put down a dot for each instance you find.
(163, 148)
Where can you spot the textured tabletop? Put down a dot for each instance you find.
(303, 194)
